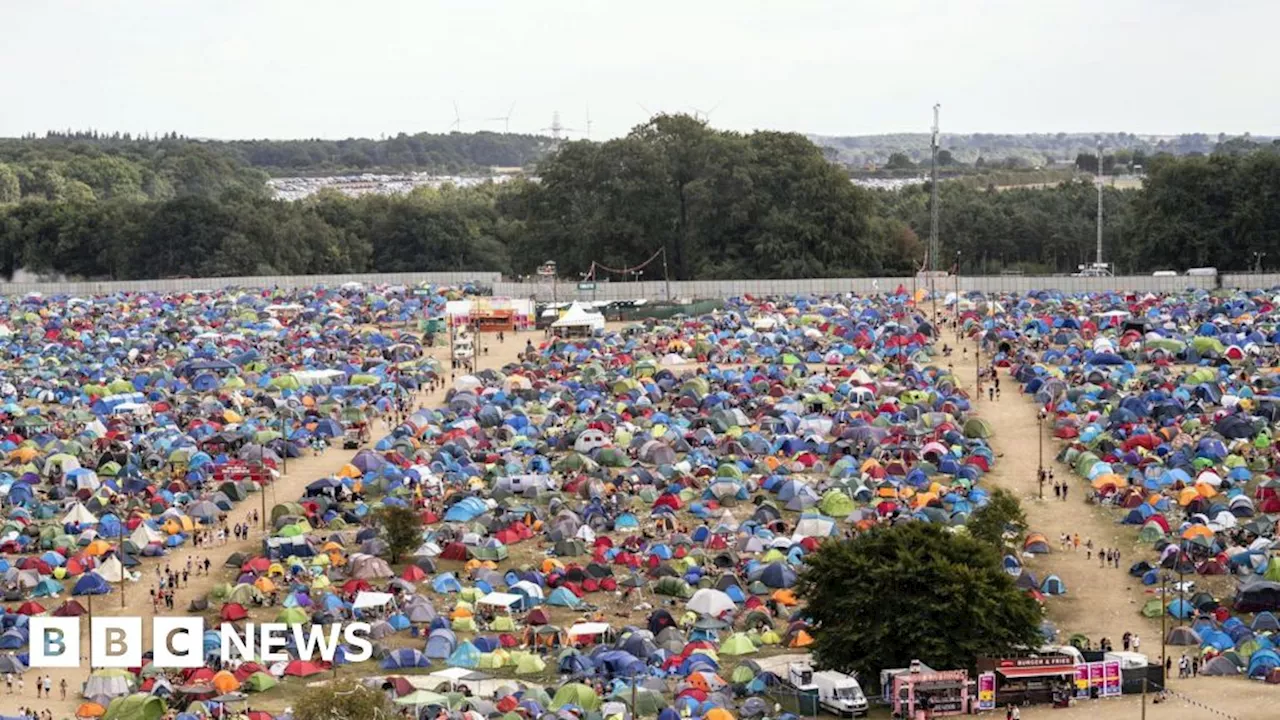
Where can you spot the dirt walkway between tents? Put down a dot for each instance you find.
(286, 488)
(1100, 602)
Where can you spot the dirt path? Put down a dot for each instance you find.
(1100, 602)
(288, 487)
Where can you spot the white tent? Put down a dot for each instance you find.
(710, 603)
(501, 600)
(79, 515)
(366, 599)
(468, 383)
(143, 536)
(590, 440)
(578, 318)
(111, 570)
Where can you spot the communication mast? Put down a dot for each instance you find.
(933, 206)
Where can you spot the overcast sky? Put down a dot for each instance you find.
(340, 68)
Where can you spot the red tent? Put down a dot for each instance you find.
(302, 668)
(232, 612)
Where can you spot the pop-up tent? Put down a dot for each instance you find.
(577, 320)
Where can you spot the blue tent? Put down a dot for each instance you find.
(563, 597)
(466, 655)
(404, 658)
(1262, 662)
(441, 643)
(1053, 585)
(91, 584)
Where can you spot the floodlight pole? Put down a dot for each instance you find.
(1040, 414)
(933, 211)
(957, 293)
(1100, 182)
(1164, 612)
(119, 556)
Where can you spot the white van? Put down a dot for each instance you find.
(1165, 273)
(838, 693)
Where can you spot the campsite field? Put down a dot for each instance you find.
(288, 486)
(1100, 602)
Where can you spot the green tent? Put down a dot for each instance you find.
(530, 664)
(259, 682)
(576, 694)
(139, 706)
(737, 644)
(495, 553)
(977, 428)
(285, 382)
(647, 702)
(836, 504)
(292, 616)
(1150, 533)
(244, 594)
(674, 587)
(1153, 608)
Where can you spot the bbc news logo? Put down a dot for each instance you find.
(178, 642)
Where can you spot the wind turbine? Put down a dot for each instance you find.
(588, 121)
(457, 119)
(704, 115)
(506, 119)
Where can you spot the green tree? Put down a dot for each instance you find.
(899, 161)
(346, 699)
(401, 528)
(949, 601)
(999, 521)
(10, 188)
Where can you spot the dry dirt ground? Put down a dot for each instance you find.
(1100, 602)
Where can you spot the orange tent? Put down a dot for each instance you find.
(225, 682)
(97, 548)
(90, 710)
(785, 597)
(802, 639)
(1196, 531)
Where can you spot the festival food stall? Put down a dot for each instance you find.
(920, 692)
(1032, 678)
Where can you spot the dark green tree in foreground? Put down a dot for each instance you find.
(913, 592)
(998, 522)
(346, 699)
(401, 528)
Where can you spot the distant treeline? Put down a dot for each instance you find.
(1018, 149)
(721, 204)
(148, 164)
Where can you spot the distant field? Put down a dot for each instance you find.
(1125, 182)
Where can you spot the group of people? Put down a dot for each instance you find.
(44, 688)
